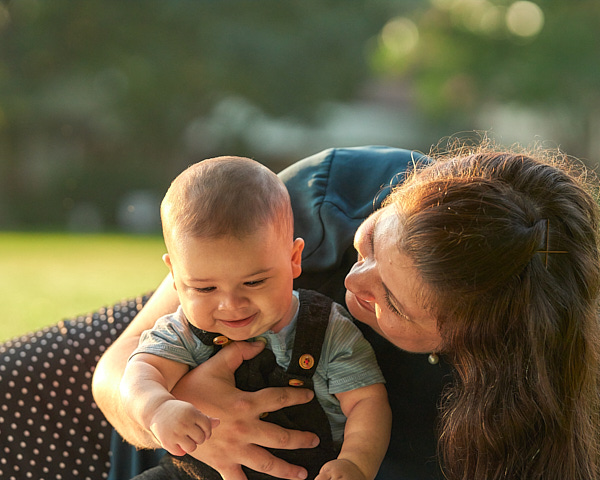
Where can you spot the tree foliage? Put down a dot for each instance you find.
(97, 96)
(463, 56)
(101, 98)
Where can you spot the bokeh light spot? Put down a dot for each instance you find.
(524, 19)
(400, 36)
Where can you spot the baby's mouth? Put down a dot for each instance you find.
(239, 323)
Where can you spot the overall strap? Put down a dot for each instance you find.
(215, 340)
(313, 318)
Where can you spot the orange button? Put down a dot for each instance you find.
(307, 361)
(221, 340)
(294, 382)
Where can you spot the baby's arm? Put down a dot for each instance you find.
(145, 393)
(366, 436)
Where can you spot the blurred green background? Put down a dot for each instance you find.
(103, 103)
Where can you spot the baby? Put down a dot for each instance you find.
(228, 229)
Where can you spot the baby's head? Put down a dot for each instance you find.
(226, 196)
(228, 227)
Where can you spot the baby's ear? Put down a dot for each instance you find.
(297, 249)
(167, 259)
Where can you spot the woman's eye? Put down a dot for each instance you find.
(393, 309)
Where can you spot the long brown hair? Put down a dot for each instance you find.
(507, 247)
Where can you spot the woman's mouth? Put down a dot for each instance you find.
(239, 323)
(370, 306)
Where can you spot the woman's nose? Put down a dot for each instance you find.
(361, 279)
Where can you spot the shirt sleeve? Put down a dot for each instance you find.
(171, 338)
(347, 357)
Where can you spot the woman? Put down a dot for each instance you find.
(490, 260)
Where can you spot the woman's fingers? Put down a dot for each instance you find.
(241, 435)
(233, 473)
(262, 461)
(253, 457)
(273, 436)
(231, 357)
(275, 398)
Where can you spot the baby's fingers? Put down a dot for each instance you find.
(202, 429)
(175, 449)
(187, 445)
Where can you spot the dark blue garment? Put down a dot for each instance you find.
(332, 192)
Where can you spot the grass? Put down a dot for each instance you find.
(47, 277)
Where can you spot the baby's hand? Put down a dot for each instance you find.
(340, 469)
(180, 427)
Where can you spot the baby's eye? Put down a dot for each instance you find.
(205, 289)
(255, 283)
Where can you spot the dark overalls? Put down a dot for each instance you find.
(261, 372)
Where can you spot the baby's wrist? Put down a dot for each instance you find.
(151, 414)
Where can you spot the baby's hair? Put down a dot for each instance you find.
(225, 196)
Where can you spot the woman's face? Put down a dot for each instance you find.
(383, 287)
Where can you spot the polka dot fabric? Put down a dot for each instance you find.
(50, 427)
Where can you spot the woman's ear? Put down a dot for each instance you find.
(297, 249)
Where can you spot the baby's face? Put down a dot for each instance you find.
(237, 287)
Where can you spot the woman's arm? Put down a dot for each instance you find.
(110, 368)
(240, 432)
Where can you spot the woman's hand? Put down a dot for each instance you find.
(241, 434)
